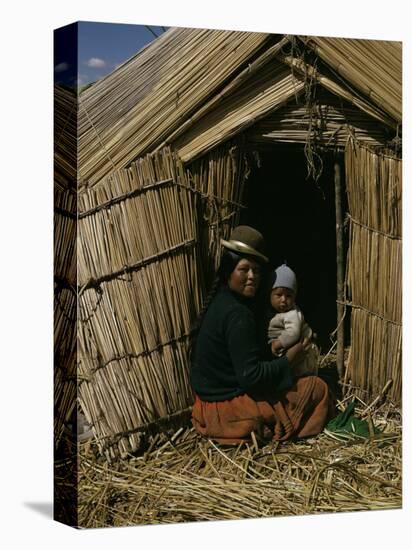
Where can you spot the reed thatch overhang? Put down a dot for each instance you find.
(160, 178)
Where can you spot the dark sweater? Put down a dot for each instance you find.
(226, 360)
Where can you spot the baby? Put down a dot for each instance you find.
(288, 326)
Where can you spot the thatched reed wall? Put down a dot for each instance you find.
(142, 267)
(374, 275)
(65, 258)
(149, 229)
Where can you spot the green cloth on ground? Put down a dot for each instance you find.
(346, 423)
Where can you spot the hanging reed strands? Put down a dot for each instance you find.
(140, 269)
(220, 178)
(341, 90)
(374, 269)
(332, 122)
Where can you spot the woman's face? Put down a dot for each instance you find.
(245, 278)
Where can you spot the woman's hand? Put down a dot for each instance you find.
(297, 353)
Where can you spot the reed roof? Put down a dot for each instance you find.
(146, 99)
(374, 67)
(195, 88)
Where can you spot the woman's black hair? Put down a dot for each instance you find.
(228, 262)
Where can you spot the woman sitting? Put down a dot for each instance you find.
(235, 391)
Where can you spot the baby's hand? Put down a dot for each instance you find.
(276, 347)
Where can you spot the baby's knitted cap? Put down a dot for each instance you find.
(285, 278)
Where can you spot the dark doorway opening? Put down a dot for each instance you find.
(297, 217)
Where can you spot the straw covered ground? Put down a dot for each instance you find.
(182, 477)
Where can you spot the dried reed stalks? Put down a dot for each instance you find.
(65, 233)
(65, 137)
(332, 122)
(137, 107)
(182, 477)
(262, 93)
(372, 66)
(374, 268)
(142, 270)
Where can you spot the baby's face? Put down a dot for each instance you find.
(282, 299)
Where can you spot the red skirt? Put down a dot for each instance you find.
(301, 412)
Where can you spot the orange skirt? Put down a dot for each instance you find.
(301, 412)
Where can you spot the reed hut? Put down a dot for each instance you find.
(198, 131)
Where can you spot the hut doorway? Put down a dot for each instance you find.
(297, 217)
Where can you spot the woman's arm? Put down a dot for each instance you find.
(297, 353)
(252, 373)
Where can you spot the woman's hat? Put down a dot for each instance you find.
(246, 240)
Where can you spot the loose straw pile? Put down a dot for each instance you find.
(374, 269)
(182, 477)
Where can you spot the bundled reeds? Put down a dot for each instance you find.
(141, 269)
(220, 178)
(65, 261)
(136, 108)
(65, 137)
(330, 122)
(182, 477)
(374, 267)
(373, 66)
(273, 86)
(65, 309)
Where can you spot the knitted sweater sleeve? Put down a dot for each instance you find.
(252, 373)
(293, 327)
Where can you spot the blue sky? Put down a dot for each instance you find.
(101, 48)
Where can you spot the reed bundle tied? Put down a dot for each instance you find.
(374, 268)
(65, 354)
(65, 261)
(140, 267)
(136, 108)
(373, 66)
(263, 92)
(183, 477)
(65, 324)
(65, 233)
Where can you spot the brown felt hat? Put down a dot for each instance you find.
(246, 240)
